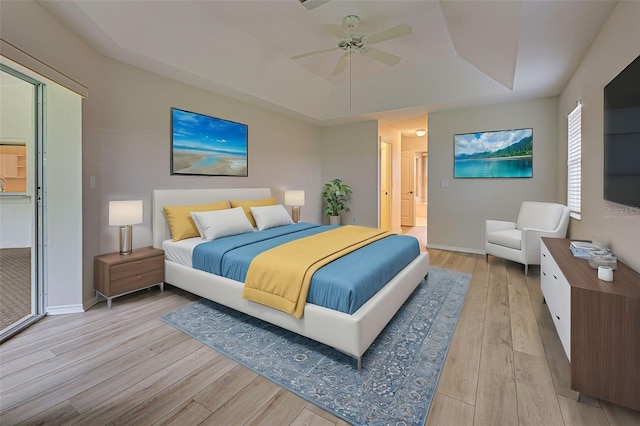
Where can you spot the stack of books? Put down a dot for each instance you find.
(581, 249)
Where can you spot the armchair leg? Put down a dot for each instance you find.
(526, 269)
(486, 257)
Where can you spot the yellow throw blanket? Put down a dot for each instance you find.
(280, 277)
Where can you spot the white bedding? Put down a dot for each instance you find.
(181, 251)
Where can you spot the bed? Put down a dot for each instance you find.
(349, 333)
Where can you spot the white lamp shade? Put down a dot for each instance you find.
(125, 212)
(294, 198)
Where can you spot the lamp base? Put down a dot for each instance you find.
(295, 214)
(126, 245)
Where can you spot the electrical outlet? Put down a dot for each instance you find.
(444, 183)
(92, 181)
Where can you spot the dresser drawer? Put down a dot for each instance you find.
(562, 321)
(135, 282)
(554, 284)
(136, 267)
(557, 294)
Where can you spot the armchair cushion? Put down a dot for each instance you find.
(509, 238)
(537, 215)
(498, 225)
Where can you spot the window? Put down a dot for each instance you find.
(574, 161)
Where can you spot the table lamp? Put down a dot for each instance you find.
(294, 199)
(124, 214)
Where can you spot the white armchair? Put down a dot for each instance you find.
(520, 241)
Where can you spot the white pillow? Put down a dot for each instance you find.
(221, 223)
(271, 216)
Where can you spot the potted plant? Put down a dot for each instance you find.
(335, 194)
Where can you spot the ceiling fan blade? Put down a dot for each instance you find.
(389, 33)
(341, 65)
(336, 30)
(380, 56)
(315, 52)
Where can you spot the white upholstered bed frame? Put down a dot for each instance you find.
(351, 334)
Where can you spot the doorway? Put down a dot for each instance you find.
(385, 174)
(21, 284)
(422, 173)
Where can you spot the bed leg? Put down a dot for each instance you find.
(359, 363)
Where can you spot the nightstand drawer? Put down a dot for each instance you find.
(135, 282)
(136, 267)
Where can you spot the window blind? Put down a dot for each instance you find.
(574, 161)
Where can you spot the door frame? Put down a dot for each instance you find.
(37, 186)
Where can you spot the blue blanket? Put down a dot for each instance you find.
(343, 285)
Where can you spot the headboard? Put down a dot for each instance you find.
(185, 197)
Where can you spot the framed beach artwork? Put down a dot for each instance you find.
(204, 145)
(495, 154)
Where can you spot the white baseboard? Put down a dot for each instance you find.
(453, 248)
(64, 309)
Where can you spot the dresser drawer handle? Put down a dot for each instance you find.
(555, 277)
(544, 255)
(544, 273)
(139, 276)
(557, 317)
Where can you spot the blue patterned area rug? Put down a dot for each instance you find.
(400, 370)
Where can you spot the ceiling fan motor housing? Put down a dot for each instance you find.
(357, 42)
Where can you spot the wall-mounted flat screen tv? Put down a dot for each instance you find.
(622, 137)
(204, 145)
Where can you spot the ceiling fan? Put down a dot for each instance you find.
(351, 41)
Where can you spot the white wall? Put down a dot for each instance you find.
(457, 213)
(63, 200)
(135, 140)
(350, 153)
(617, 45)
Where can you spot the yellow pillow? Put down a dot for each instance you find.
(246, 206)
(180, 222)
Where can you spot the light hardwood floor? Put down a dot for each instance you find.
(125, 366)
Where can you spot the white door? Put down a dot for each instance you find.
(407, 189)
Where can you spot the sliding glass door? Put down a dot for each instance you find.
(21, 221)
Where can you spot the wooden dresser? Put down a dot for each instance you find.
(116, 275)
(598, 323)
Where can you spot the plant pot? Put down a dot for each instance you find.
(334, 220)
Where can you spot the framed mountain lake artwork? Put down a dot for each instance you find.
(203, 145)
(495, 154)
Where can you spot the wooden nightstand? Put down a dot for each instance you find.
(116, 275)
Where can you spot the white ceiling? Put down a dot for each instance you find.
(460, 53)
